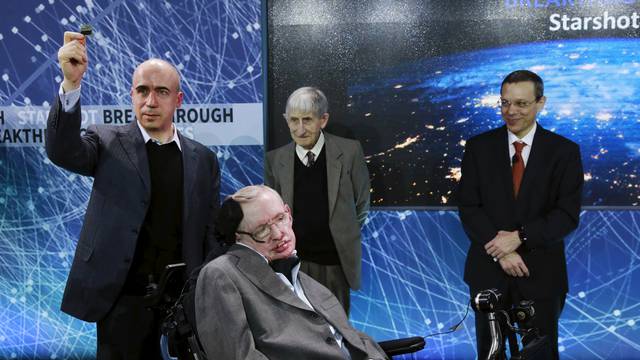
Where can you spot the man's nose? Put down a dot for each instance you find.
(152, 100)
(300, 130)
(276, 232)
(512, 109)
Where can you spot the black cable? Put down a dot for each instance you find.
(454, 327)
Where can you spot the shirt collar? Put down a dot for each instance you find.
(146, 137)
(527, 139)
(302, 152)
(295, 270)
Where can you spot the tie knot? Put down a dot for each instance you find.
(519, 145)
(311, 158)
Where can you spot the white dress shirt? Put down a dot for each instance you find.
(527, 139)
(69, 99)
(316, 149)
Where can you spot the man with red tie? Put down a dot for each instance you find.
(518, 197)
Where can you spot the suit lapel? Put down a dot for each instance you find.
(287, 163)
(504, 161)
(189, 162)
(133, 144)
(319, 302)
(256, 269)
(334, 168)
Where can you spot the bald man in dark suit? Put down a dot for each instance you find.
(154, 200)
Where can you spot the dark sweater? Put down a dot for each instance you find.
(160, 239)
(311, 212)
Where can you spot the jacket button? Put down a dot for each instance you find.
(317, 318)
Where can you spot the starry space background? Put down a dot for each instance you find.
(415, 79)
(450, 55)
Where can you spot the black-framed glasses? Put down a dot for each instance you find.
(262, 233)
(521, 104)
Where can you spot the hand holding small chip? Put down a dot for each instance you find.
(73, 59)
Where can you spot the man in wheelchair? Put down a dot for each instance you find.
(253, 303)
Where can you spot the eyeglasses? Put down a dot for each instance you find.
(262, 233)
(521, 104)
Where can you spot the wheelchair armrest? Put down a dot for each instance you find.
(155, 294)
(402, 346)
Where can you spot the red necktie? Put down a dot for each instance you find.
(517, 169)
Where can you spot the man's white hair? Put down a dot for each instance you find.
(307, 100)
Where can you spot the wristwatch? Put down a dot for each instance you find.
(522, 234)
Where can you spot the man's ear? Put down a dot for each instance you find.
(540, 104)
(324, 119)
(180, 98)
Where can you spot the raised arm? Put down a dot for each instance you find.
(64, 144)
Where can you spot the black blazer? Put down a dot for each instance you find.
(548, 206)
(116, 157)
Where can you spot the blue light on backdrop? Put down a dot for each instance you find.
(217, 48)
(413, 260)
(412, 284)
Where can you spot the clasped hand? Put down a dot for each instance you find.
(513, 265)
(502, 247)
(505, 242)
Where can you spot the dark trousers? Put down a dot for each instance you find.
(547, 313)
(129, 331)
(332, 277)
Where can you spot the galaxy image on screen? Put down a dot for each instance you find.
(416, 119)
(412, 80)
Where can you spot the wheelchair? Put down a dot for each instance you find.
(175, 300)
(507, 324)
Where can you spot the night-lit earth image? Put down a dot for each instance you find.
(414, 119)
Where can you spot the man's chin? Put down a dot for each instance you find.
(148, 123)
(304, 143)
(514, 128)
(282, 255)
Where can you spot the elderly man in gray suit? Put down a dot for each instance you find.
(255, 303)
(324, 178)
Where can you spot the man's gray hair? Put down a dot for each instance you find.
(307, 100)
(249, 193)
